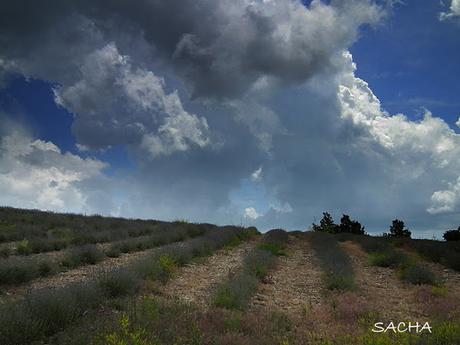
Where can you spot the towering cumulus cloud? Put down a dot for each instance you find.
(36, 174)
(211, 97)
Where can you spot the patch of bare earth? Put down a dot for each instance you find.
(393, 299)
(196, 282)
(294, 285)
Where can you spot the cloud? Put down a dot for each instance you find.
(221, 49)
(251, 213)
(257, 175)
(36, 174)
(115, 104)
(205, 93)
(454, 11)
(446, 201)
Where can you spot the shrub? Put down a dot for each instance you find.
(24, 248)
(45, 312)
(119, 282)
(273, 248)
(389, 258)
(45, 268)
(5, 252)
(166, 267)
(334, 262)
(84, 255)
(113, 252)
(419, 275)
(16, 271)
(237, 291)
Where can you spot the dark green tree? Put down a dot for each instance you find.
(452, 235)
(398, 229)
(350, 226)
(326, 224)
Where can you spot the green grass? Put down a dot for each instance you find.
(273, 248)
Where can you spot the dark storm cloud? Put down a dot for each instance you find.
(221, 48)
(270, 90)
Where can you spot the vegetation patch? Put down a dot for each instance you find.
(335, 263)
(43, 313)
(237, 291)
(84, 255)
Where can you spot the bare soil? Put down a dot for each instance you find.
(385, 293)
(196, 282)
(295, 285)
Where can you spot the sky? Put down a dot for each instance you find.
(252, 112)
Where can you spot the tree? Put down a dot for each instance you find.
(326, 224)
(452, 235)
(397, 229)
(350, 226)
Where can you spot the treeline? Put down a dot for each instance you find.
(347, 225)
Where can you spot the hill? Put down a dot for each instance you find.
(72, 279)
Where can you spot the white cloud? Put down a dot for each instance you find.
(36, 174)
(257, 175)
(446, 201)
(251, 213)
(420, 150)
(282, 207)
(454, 10)
(129, 106)
(458, 122)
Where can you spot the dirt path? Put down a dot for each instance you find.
(197, 281)
(384, 291)
(295, 284)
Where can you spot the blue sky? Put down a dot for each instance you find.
(258, 119)
(411, 61)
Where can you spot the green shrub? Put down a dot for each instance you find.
(113, 252)
(15, 271)
(237, 292)
(24, 248)
(340, 282)
(46, 268)
(120, 282)
(273, 248)
(418, 275)
(45, 312)
(335, 263)
(84, 255)
(391, 258)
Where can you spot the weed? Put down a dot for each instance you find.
(24, 248)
